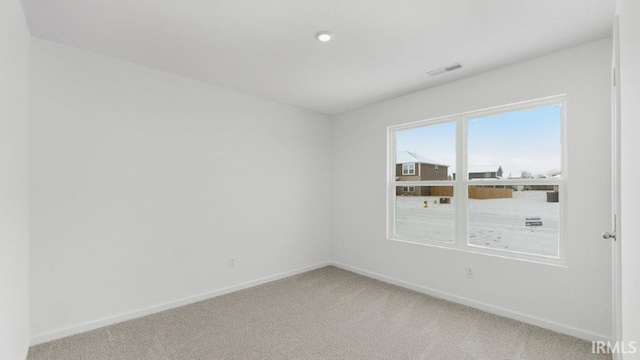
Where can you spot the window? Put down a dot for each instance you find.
(408, 169)
(510, 200)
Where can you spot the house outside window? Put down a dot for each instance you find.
(483, 210)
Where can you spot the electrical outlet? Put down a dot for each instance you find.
(232, 262)
(469, 272)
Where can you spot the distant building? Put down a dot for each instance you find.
(515, 176)
(413, 167)
(483, 172)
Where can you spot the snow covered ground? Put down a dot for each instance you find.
(432, 223)
(493, 223)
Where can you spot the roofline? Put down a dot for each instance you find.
(421, 162)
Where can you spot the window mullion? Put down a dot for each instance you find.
(459, 195)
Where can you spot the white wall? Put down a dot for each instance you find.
(629, 12)
(14, 242)
(144, 183)
(575, 299)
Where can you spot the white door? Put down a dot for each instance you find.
(614, 235)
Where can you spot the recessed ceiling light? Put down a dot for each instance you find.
(324, 35)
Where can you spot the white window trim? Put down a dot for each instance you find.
(461, 196)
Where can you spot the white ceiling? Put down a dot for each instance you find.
(382, 48)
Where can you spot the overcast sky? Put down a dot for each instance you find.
(528, 140)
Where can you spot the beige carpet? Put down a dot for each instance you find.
(323, 314)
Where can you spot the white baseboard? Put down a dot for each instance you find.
(497, 310)
(110, 320)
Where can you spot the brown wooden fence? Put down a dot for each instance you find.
(444, 191)
(476, 192)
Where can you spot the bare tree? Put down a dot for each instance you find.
(552, 173)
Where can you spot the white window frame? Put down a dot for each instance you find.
(460, 185)
(409, 170)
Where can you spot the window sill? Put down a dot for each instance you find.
(471, 249)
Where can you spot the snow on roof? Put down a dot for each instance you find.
(514, 175)
(408, 157)
(474, 169)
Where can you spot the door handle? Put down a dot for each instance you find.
(607, 235)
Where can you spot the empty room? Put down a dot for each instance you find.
(218, 179)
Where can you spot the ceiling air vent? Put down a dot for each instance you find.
(445, 69)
